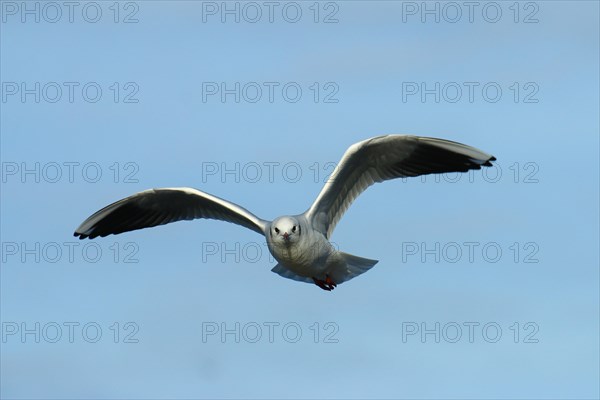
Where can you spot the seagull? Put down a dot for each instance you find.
(299, 243)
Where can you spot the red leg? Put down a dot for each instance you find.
(331, 283)
(326, 284)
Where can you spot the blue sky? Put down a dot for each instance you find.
(512, 254)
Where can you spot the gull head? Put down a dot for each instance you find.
(285, 230)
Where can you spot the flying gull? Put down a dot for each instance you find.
(299, 243)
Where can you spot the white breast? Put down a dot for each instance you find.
(308, 257)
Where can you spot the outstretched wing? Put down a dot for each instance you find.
(162, 206)
(387, 157)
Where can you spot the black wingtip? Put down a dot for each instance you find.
(488, 163)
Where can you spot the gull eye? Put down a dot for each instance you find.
(276, 230)
(294, 228)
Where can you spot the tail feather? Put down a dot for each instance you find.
(354, 267)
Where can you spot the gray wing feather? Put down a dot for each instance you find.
(387, 157)
(162, 206)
